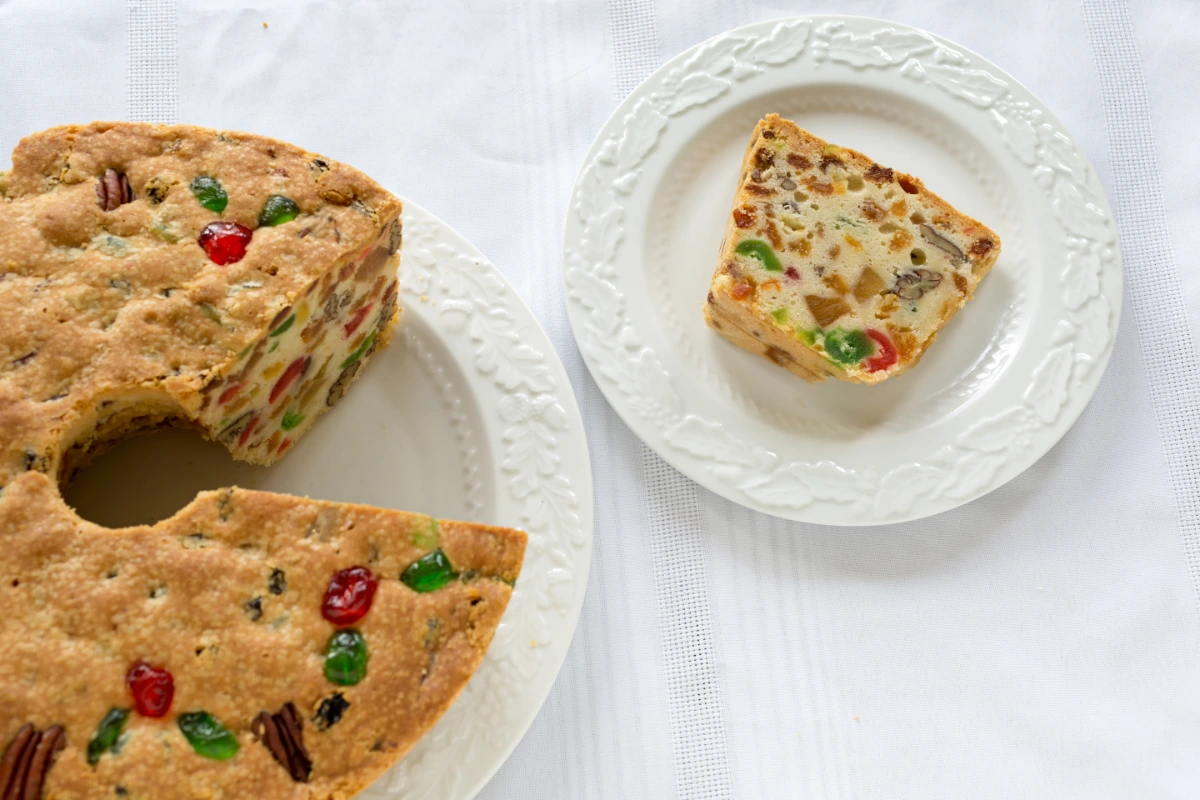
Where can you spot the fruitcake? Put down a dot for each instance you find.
(158, 275)
(833, 265)
(254, 645)
(151, 273)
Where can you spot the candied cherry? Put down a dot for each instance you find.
(758, 249)
(847, 347)
(293, 371)
(152, 689)
(349, 596)
(207, 736)
(209, 193)
(107, 733)
(428, 573)
(225, 242)
(886, 356)
(277, 210)
(346, 658)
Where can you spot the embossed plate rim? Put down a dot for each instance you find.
(1019, 418)
(537, 452)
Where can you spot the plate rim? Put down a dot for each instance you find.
(1109, 293)
(510, 405)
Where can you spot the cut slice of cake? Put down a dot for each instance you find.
(252, 645)
(833, 265)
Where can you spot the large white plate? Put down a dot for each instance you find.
(1006, 378)
(468, 415)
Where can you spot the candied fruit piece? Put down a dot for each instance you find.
(887, 354)
(152, 689)
(826, 310)
(107, 733)
(207, 736)
(346, 658)
(277, 210)
(349, 595)
(225, 242)
(209, 193)
(430, 572)
(760, 250)
(869, 284)
(847, 347)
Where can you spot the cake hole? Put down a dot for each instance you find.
(855, 184)
(815, 207)
(907, 185)
(917, 256)
(917, 218)
(889, 194)
(140, 480)
(888, 227)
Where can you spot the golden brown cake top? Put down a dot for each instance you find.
(227, 597)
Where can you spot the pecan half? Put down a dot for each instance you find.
(27, 760)
(283, 736)
(913, 285)
(113, 190)
(395, 236)
(931, 235)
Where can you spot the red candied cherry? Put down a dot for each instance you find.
(349, 596)
(225, 242)
(152, 689)
(886, 356)
(293, 371)
(351, 326)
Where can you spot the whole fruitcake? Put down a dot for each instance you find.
(253, 644)
(833, 265)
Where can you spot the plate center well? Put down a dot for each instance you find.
(689, 211)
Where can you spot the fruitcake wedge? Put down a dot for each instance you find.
(833, 265)
(252, 645)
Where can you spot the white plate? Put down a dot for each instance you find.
(468, 415)
(1006, 378)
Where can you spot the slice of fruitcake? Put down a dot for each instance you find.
(252, 646)
(158, 273)
(835, 265)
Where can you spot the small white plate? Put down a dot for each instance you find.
(467, 415)
(1006, 378)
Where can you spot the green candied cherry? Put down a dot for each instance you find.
(277, 210)
(780, 315)
(346, 657)
(428, 573)
(283, 326)
(847, 347)
(360, 352)
(107, 734)
(808, 337)
(757, 248)
(291, 420)
(207, 736)
(209, 193)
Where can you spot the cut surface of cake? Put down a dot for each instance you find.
(253, 644)
(833, 265)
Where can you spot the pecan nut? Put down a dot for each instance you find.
(113, 190)
(283, 736)
(27, 760)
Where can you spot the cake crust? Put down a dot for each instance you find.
(833, 265)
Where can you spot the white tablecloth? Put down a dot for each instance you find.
(1043, 641)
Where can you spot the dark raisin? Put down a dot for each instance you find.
(798, 161)
(319, 165)
(768, 134)
(828, 160)
(277, 583)
(879, 174)
(764, 158)
(254, 609)
(330, 711)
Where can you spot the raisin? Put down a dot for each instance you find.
(330, 711)
(277, 583)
